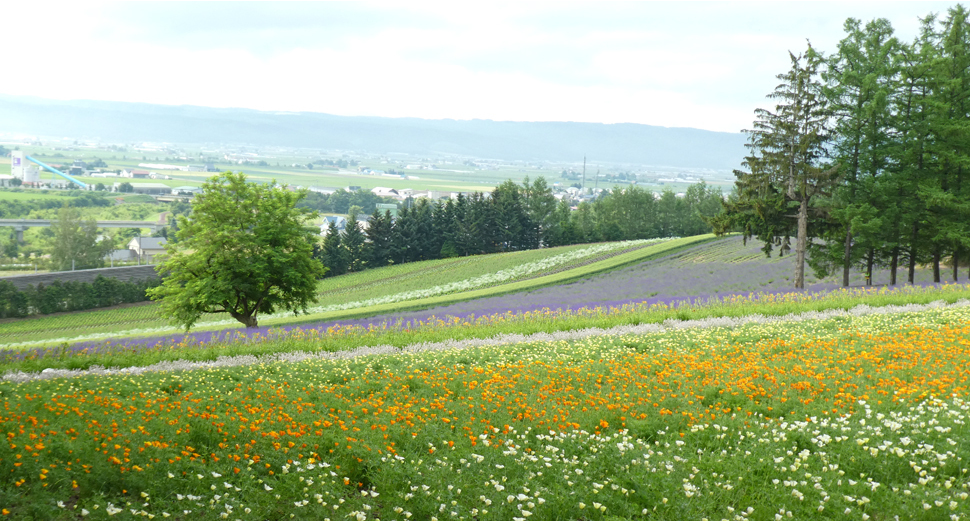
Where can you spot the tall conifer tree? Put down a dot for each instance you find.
(786, 165)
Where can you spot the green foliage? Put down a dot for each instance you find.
(28, 202)
(75, 243)
(630, 212)
(786, 164)
(126, 187)
(515, 218)
(333, 256)
(378, 247)
(244, 250)
(13, 303)
(540, 205)
(353, 242)
(342, 200)
(70, 296)
(899, 135)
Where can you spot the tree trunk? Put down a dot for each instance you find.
(847, 261)
(912, 254)
(801, 244)
(249, 320)
(870, 261)
(936, 265)
(893, 265)
(956, 266)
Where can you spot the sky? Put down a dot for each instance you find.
(706, 65)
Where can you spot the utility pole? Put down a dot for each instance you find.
(584, 174)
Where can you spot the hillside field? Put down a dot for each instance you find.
(669, 380)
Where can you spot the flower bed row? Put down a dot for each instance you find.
(849, 417)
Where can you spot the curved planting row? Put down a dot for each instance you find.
(504, 280)
(848, 417)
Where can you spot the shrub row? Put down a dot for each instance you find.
(70, 296)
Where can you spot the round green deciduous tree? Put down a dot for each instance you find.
(245, 249)
(75, 243)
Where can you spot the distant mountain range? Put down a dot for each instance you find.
(121, 122)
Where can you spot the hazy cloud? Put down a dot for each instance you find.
(704, 64)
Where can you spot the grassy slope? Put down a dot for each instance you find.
(31, 194)
(347, 335)
(341, 289)
(558, 278)
(724, 264)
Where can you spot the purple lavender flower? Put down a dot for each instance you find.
(687, 278)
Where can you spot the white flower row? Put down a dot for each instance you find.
(692, 326)
(485, 280)
(470, 284)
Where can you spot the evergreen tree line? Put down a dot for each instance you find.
(865, 158)
(70, 296)
(513, 218)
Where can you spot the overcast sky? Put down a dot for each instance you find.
(706, 65)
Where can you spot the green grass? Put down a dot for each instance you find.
(437, 330)
(383, 281)
(134, 198)
(558, 278)
(440, 180)
(794, 421)
(32, 194)
(356, 287)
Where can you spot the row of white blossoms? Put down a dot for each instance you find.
(506, 339)
(479, 282)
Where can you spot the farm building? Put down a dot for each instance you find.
(147, 248)
(385, 191)
(339, 221)
(135, 173)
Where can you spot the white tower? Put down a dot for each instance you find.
(21, 168)
(17, 162)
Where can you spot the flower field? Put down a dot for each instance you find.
(368, 289)
(722, 268)
(851, 415)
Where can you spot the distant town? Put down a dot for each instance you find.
(168, 170)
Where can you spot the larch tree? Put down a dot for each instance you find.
(912, 161)
(378, 247)
(860, 83)
(787, 169)
(945, 191)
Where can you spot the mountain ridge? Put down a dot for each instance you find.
(620, 143)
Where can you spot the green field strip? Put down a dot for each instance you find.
(129, 321)
(613, 263)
